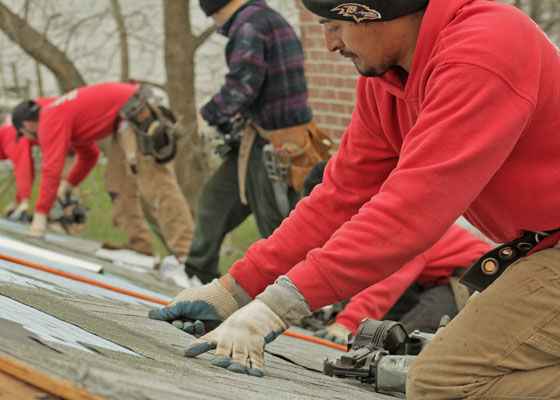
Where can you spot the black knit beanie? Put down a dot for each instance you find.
(211, 6)
(364, 10)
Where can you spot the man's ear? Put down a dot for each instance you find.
(30, 129)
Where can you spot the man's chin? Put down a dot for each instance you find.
(368, 73)
(371, 72)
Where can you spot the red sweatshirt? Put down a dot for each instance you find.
(19, 153)
(457, 248)
(76, 120)
(474, 132)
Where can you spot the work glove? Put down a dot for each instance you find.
(11, 207)
(198, 310)
(38, 225)
(64, 188)
(20, 212)
(239, 341)
(337, 333)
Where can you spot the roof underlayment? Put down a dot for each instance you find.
(104, 342)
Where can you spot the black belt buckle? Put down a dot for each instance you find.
(492, 264)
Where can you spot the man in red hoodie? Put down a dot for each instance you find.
(456, 114)
(77, 120)
(19, 153)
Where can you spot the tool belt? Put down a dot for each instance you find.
(289, 157)
(300, 147)
(461, 293)
(492, 264)
(156, 128)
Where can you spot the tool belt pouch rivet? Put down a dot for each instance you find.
(154, 129)
(303, 146)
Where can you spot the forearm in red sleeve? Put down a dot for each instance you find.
(54, 154)
(23, 170)
(375, 301)
(87, 156)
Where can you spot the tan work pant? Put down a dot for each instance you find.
(157, 184)
(504, 345)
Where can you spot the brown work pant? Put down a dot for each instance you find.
(504, 345)
(157, 184)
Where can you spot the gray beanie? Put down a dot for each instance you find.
(211, 6)
(364, 10)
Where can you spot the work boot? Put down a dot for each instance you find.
(172, 270)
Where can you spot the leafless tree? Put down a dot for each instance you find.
(123, 40)
(40, 48)
(180, 46)
(50, 43)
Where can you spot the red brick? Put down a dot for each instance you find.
(346, 95)
(317, 80)
(320, 106)
(335, 81)
(346, 69)
(313, 42)
(350, 82)
(315, 29)
(337, 108)
(322, 68)
(349, 109)
(332, 120)
(327, 94)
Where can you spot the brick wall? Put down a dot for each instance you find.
(331, 79)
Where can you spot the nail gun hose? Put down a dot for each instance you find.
(148, 298)
(82, 279)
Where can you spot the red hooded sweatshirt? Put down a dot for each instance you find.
(76, 120)
(457, 248)
(19, 153)
(475, 132)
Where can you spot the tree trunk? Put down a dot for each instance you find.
(38, 47)
(123, 40)
(180, 46)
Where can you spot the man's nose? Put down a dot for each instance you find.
(332, 41)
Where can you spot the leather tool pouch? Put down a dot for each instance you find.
(492, 264)
(154, 129)
(301, 147)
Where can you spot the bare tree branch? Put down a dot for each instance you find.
(204, 35)
(72, 30)
(125, 63)
(39, 79)
(38, 47)
(161, 86)
(180, 45)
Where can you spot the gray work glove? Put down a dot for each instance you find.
(19, 214)
(239, 341)
(336, 333)
(38, 225)
(198, 310)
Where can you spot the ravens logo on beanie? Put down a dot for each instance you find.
(364, 10)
